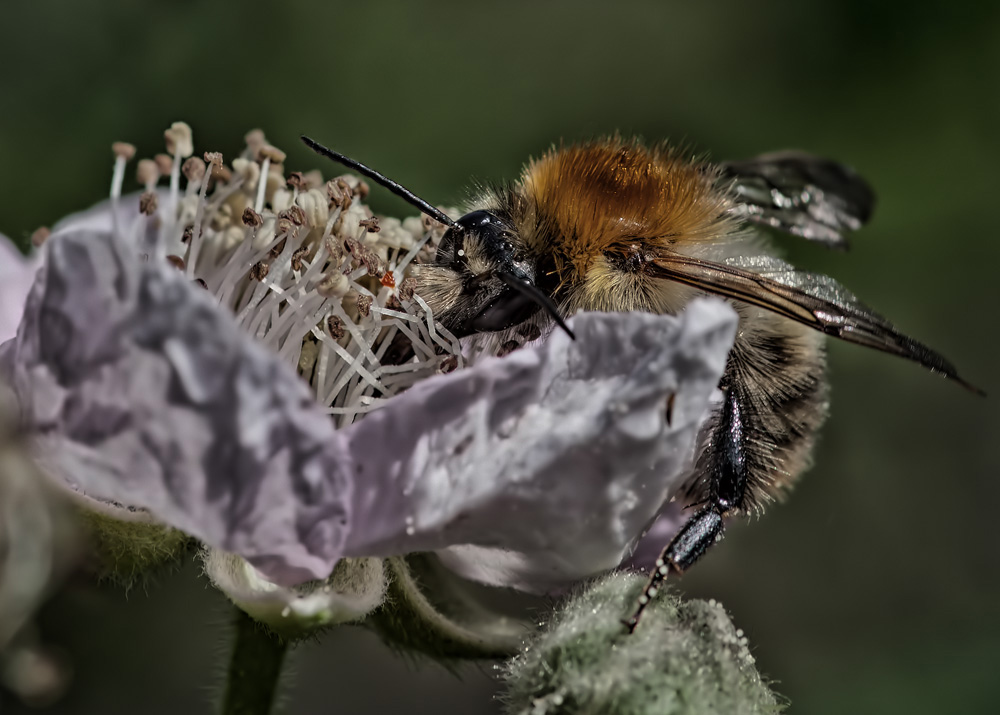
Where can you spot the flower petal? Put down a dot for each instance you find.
(565, 459)
(16, 274)
(141, 390)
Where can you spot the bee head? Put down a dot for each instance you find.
(480, 281)
(494, 281)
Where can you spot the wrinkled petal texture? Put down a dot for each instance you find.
(16, 275)
(563, 459)
(141, 391)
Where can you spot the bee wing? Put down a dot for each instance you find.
(808, 298)
(800, 194)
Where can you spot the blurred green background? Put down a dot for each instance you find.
(876, 588)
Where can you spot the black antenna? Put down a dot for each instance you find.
(400, 191)
(531, 291)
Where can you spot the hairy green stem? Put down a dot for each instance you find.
(254, 668)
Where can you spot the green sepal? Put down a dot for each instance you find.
(430, 611)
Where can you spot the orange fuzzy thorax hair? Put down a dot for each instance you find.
(587, 199)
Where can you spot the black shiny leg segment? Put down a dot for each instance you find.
(725, 464)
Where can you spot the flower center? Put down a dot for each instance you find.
(302, 264)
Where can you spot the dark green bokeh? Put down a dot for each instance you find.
(875, 589)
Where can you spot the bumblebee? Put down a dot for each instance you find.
(614, 225)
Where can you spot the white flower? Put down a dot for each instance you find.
(220, 391)
(16, 275)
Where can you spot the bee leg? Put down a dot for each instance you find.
(728, 476)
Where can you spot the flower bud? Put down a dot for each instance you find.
(684, 657)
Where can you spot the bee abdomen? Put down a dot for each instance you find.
(775, 379)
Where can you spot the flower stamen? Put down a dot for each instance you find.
(308, 272)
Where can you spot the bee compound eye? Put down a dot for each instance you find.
(450, 250)
(490, 234)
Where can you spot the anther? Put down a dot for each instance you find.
(194, 169)
(449, 363)
(255, 141)
(340, 193)
(297, 257)
(406, 288)
(148, 203)
(273, 153)
(147, 173)
(294, 214)
(366, 257)
(221, 174)
(259, 271)
(179, 140)
(276, 249)
(40, 235)
(296, 181)
(284, 226)
(335, 326)
(123, 150)
(251, 218)
(370, 224)
(123, 153)
(164, 163)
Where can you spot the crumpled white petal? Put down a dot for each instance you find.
(546, 571)
(563, 457)
(16, 275)
(140, 390)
